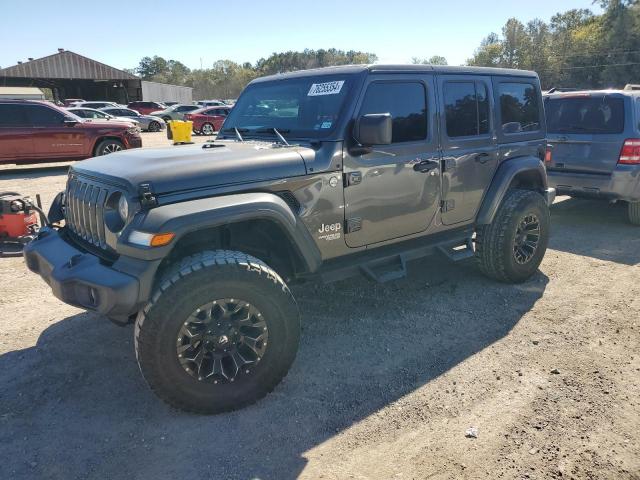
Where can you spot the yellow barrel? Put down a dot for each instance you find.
(181, 131)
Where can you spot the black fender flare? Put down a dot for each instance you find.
(502, 180)
(192, 215)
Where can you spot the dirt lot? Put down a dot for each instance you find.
(387, 380)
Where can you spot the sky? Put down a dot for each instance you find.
(119, 33)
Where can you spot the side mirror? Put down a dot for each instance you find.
(70, 122)
(373, 129)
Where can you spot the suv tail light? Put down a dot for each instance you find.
(630, 153)
(547, 154)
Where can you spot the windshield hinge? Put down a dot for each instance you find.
(147, 197)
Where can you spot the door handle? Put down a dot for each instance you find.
(482, 158)
(426, 166)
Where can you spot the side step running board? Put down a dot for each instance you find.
(385, 270)
(458, 252)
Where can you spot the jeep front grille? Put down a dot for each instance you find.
(84, 210)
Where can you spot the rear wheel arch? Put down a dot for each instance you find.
(523, 173)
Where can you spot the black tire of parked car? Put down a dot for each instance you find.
(154, 127)
(108, 146)
(496, 243)
(183, 289)
(633, 211)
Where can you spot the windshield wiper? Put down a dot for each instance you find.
(277, 132)
(237, 132)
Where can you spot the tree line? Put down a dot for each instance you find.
(576, 48)
(226, 79)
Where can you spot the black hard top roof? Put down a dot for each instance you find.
(374, 68)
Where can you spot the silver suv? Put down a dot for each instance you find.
(594, 146)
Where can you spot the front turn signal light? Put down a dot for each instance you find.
(151, 239)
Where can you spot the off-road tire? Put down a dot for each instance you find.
(495, 242)
(192, 282)
(105, 147)
(633, 211)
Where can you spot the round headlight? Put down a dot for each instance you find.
(123, 208)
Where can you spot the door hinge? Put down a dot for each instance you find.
(353, 224)
(447, 205)
(352, 178)
(147, 197)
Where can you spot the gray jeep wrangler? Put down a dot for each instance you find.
(315, 174)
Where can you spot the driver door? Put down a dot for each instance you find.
(387, 193)
(52, 138)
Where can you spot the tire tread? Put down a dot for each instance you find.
(178, 271)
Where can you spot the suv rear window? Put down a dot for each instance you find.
(586, 115)
(519, 107)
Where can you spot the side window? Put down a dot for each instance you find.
(466, 107)
(12, 114)
(407, 104)
(39, 115)
(519, 107)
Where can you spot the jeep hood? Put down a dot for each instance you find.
(192, 167)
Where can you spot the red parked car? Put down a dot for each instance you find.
(32, 131)
(207, 121)
(145, 108)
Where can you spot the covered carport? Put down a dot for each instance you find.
(69, 75)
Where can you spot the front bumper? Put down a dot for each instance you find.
(81, 279)
(134, 141)
(622, 184)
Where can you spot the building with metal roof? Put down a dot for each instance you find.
(70, 75)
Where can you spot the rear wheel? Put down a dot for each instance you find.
(108, 146)
(207, 129)
(634, 212)
(511, 248)
(154, 126)
(220, 332)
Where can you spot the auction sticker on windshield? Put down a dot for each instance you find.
(329, 88)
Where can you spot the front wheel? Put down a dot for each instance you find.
(108, 146)
(220, 332)
(511, 248)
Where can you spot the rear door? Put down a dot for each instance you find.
(16, 141)
(585, 132)
(468, 144)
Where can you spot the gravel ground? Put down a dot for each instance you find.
(387, 380)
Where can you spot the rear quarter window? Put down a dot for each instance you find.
(585, 115)
(519, 108)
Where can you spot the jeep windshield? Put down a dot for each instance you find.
(306, 107)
